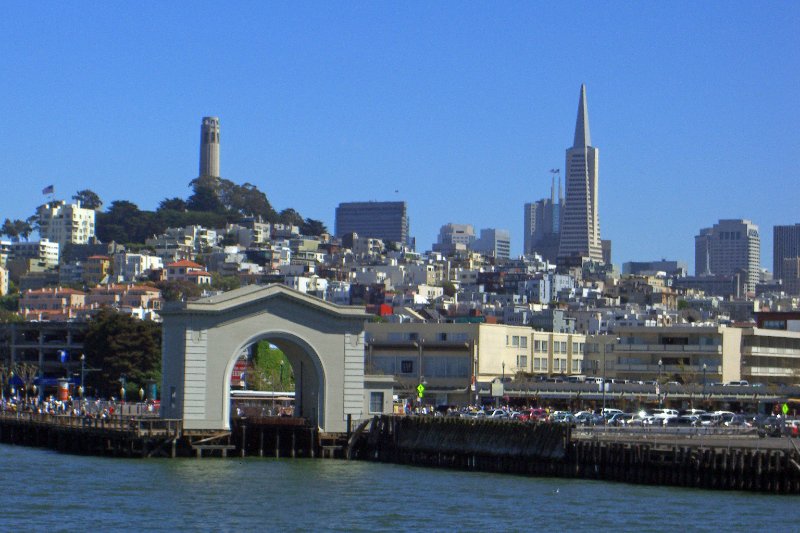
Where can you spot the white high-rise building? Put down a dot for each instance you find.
(494, 242)
(728, 248)
(65, 223)
(453, 237)
(580, 225)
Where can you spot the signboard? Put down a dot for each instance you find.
(420, 390)
(498, 389)
(785, 409)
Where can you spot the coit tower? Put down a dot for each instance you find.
(209, 147)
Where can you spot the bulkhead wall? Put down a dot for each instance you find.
(202, 342)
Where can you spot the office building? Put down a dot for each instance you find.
(387, 221)
(542, 225)
(785, 245)
(494, 243)
(209, 147)
(454, 238)
(580, 225)
(729, 248)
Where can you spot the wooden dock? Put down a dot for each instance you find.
(725, 460)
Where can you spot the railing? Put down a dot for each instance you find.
(139, 426)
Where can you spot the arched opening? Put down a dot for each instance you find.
(294, 388)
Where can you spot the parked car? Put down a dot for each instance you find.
(498, 414)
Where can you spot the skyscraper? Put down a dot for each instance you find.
(494, 243)
(729, 248)
(381, 220)
(785, 245)
(542, 225)
(209, 147)
(580, 225)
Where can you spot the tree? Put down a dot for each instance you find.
(119, 345)
(172, 204)
(178, 290)
(313, 227)
(271, 369)
(224, 283)
(291, 217)
(9, 229)
(88, 199)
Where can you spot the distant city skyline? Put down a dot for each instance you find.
(460, 111)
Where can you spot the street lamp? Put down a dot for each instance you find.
(658, 383)
(704, 381)
(83, 371)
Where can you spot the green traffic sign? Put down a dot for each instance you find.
(785, 409)
(420, 390)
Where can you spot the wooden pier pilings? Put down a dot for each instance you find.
(750, 464)
(116, 436)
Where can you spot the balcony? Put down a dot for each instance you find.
(679, 348)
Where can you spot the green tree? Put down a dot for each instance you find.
(224, 283)
(271, 369)
(10, 229)
(291, 217)
(178, 290)
(313, 227)
(88, 199)
(119, 345)
(172, 204)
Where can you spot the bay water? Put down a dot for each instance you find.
(47, 491)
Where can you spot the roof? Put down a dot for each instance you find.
(185, 263)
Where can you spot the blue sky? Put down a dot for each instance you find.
(460, 107)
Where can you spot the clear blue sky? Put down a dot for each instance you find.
(461, 107)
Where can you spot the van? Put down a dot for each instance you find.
(576, 379)
(740, 383)
(597, 381)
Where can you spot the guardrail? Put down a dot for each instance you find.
(139, 426)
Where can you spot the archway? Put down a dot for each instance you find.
(202, 339)
(305, 366)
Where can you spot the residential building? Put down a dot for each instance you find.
(96, 270)
(65, 223)
(382, 220)
(580, 226)
(3, 281)
(785, 245)
(43, 251)
(130, 267)
(51, 304)
(188, 271)
(729, 248)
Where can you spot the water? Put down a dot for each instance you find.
(47, 491)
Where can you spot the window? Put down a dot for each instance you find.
(407, 367)
(522, 361)
(375, 402)
(556, 347)
(536, 363)
(563, 365)
(576, 366)
(555, 364)
(574, 347)
(523, 342)
(544, 346)
(515, 340)
(563, 346)
(537, 346)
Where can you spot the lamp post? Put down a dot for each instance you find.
(704, 381)
(83, 371)
(660, 400)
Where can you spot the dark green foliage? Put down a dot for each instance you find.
(312, 227)
(178, 290)
(271, 370)
(118, 345)
(224, 283)
(88, 199)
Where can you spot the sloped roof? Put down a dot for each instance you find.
(250, 294)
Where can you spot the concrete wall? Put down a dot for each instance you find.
(323, 343)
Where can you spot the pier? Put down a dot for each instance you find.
(710, 460)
